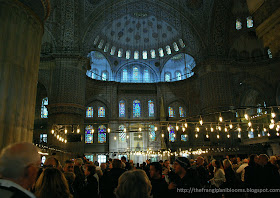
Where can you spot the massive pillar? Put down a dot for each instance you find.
(21, 32)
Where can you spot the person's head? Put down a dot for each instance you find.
(199, 161)
(70, 177)
(123, 159)
(51, 162)
(263, 159)
(20, 163)
(90, 170)
(69, 166)
(133, 184)
(273, 160)
(161, 162)
(52, 183)
(103, 166)
(253, 160)
(217, 164)
(227, 164)
(155, 170)
(166, 163)
(117, 163)
(181, 165)
(78, 162)
(245, 161)
(238, 159)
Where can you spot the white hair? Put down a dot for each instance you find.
(16, 157)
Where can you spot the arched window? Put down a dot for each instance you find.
(44, 110)
(135, 74)
(136, 55)
(181, 112)
(171, 134)
(184, 137)
(120, 52)
(127, 54)
(101, 112)
(122, 109)
(113, 50)
(175, 46)
(94, 74)
(151, 108)
(96, 40)
(146, 76)
(171, 112)
(250, 22)
(251, 134)
(124, 75)
(167, 77)
(89, 112)
(153, 53)
(136, 109)
(122, 134)
(152, 133)
(168, 50)
(102, 134)
(101, 44)
(89, 134)
(182, 44)
(145, 54)
(238, 24)
(161, 54)
(269, 53)
(178, 75)
(104, 75)
(106, 48)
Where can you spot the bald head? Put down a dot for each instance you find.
(263, 159)
(200, 161)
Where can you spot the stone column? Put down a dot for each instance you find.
(275, 148)
(20, 37)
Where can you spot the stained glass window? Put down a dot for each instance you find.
(101, 112)
(127, 54)
(96, 40)
(168, 50)
(43, 138)
(171, 134)
(153, 53)
(135, 74)
(104, 76)
(136, 55)
(136, 109)
(94, 74)
(238, 24)
(145, 54)
(171, 112)
(122, 109)
(167, 77)
(178, 75)
(250, 22)
(101, 44)
(251, 134)
(182, 44)
(120, 52)
(161, 54)
(44, 110)
(184, 138)
(124, 75)
(151, 108)
(269, 53)
(175, 46)
(113, 50)
(146, 76)
(152, 133)
(89, 112)
(88, 135)
(102, 134)
(122, 134)
(181, 112)
(106, 48)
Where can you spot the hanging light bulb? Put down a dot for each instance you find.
(183, 129)
(230, 126)
(65, 131)
(226, 129)
(239, 135)
(57, 136)
(65, 141)
(115, 138)
(162, 135)
(252, 129)
(155, 128)
(140, 129)
(211, 129)
(221, 118)
(52, 131)
(218, 136)
(246, 116)
(272, 121)
(268, 134)
(62, 139)
(248, 135)
(259, 135)
(196, 135)
(78, 130)
(200, 121)
(277, 133)
(228, 136)
(139, 136)
(207, 136)
(168, 128)
(197, 129)
(124, 130)
(177, 127)
(264, 129)
(273, 115)
(249, 123)
(238, 129)
(271, 126)
(220, 128)
(277, 129)
(174, 135)
(127, 136)
(186, 125)
(109, 130)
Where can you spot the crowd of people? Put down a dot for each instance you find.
(21, 175)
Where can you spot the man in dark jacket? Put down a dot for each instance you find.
(91, 185)
(201, 171)
(159, 185)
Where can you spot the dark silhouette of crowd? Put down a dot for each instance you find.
(21, 175)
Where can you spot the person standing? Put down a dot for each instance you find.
(159, 185)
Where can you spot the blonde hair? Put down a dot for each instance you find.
(134, 184)
(52, 183)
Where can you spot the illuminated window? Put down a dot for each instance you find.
(178, 75)
(153, 53)
(251, 134)
(171, 112)
(122, 134)
(124, 75)
(136, 109)
(135, 74)
(104, 76)
(43, 138)
(101, 44)
(120, 52)
(146, 76)
(175, 46)
(127, 54)
(96, 40)
(182, 44)
(184, 138)
(152, 133)
(238, 24)
(106, 48)
(94, 74)
(151, 107)
(89, 112)
(122, 109)
(101, 159)
(181, 112)
(168, 50)
(171, 134)
(250, 22)
(145, 54)
(113, 50)
(44, 110)
(101, 112)
(269, 53)
(167, 77)
(89, 135)
(101, 134)
(161, 54)
(136, 55)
